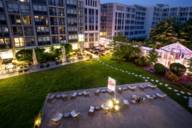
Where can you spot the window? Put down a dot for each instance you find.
(12, 7)
(26, 20)
(28, 31)
(19, 42)
(5, 43)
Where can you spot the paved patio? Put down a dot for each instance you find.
(156, 113)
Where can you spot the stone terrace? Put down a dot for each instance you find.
(156, 113)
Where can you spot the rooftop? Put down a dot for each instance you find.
(156, 113)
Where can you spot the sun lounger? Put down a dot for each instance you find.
(64, 97)
(79, 94)
(103, 90)
(67, 115)
(161, 95)
(97, 108)
(125, 102)
(133, 101)
(104, 107)
(51, 97)
(57, 117)
(85, 93)
(97, 92)
(119, 90)
(132, 87)
(152, 87)
(74, 95)
(58, 96)
(75, 114)
(149, 97)
(91, 110)
(124, 88)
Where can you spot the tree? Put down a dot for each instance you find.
(160, 69)
(185, 33)
(24, 55)
(178, 69)
(68, 49)
(120, 38)
(126, 52)
(164, 32)
(153, 56)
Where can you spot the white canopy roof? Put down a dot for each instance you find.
(178, 48)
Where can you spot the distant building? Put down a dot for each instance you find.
(160, 12)
(26, 24)
(121, 18)
(135, 21)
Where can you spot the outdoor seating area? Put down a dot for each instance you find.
(133, 105)
(99, 50)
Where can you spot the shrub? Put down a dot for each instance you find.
(171, 76)
(160, 69)
(141, 61)
(24, 55)
(178, 69)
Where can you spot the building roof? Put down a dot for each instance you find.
(178, 48)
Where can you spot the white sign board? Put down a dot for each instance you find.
(111, 84)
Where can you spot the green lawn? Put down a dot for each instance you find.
(22, 97)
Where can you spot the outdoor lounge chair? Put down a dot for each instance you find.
(161, 95)
(75, 114)
(104, 107)
(64, 97)
(57, 117)
(91, 110)
(133, 101)
(132, 87)
(125, 102)
(51, 97)
(67, 115)
(124, 88)
(110, 92)
(119, 90)
(97, 108)
(149, 97)
(85, 93)
(103, 90)
(97, 92)
(74, 95)
(152, 87)
(79, 94)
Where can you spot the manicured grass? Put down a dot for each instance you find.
(22, 97)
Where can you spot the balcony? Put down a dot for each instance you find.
(41, 43)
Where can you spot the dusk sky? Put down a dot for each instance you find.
(153, 2)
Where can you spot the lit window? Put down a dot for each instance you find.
(19, 42)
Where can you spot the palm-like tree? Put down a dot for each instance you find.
(164, 32)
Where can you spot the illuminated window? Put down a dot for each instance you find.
(19, 42)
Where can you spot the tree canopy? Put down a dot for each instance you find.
(170, 31)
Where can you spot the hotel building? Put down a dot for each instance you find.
(42, 23)
(120, 18)
(161, 12)
(136, 21)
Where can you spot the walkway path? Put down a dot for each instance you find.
(182, 94)
(37, 69)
